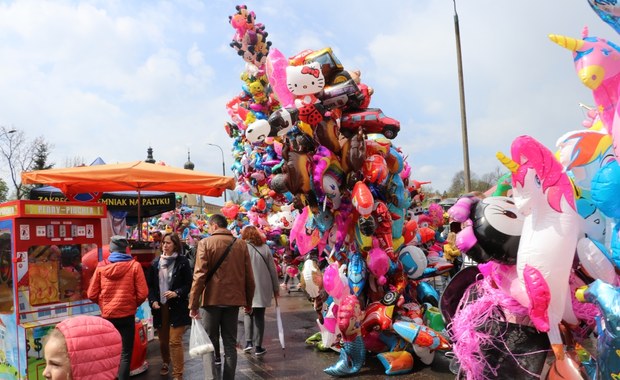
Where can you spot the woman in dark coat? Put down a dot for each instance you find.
(169, 280)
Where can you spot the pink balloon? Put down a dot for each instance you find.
(378, 262)
(330, 324)
(333, 284)
(276, 73)
(349, 318)
(303, 238)
(277, 146)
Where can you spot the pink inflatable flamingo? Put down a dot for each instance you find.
(544, 194)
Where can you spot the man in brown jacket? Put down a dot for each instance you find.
(230, 287)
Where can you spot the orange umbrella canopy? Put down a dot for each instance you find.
(138, 175)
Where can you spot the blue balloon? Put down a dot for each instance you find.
(396, 188)
(608, 11)
(427, 294)
(397, 224)
(594, 220)
(356, 273)
(615, 246)
(352, 356)
(605, 185)
(324, 220)
(607, 298)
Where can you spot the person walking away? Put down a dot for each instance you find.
(82, 348)
(224, 286)
(267, 287)
(118, 286)
(169, 279)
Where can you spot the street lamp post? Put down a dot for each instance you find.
(223, 164)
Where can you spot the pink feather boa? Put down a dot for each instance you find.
(466, 329)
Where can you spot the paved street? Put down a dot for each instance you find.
(297, 361)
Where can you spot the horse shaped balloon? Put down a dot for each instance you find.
(583, 153)
(596, 61)
(544, 194)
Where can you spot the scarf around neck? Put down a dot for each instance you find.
(166, 265)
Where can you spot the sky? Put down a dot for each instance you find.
(111, 78)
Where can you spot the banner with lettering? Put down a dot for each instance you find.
(153, 202)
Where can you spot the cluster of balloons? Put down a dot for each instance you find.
(547, 273)
(318, 173)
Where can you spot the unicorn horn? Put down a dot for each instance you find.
(567, 42)
(508, 162)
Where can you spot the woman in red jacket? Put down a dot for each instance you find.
(82, 348)
(119, 287)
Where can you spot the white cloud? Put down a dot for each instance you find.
(108, 78)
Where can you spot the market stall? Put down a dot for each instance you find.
(131, 176)
(135, 176)
(43, 279)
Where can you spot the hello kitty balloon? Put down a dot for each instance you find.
(305, 82)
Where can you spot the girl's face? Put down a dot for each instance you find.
(57, 365)
(167, 246)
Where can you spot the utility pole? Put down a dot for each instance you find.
(462, 99)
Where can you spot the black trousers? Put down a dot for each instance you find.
(126, 326)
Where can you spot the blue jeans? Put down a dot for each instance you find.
(223, 320)
(126, 326)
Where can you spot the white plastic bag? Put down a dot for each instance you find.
(199, 342)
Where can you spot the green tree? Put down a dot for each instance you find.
(41, 154)
(4, 191)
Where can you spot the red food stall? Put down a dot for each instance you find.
(42, 277)
(137, 176)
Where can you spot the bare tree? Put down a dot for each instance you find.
(457, 187)
(486, 181)
(72, 162)
(18, 155)
(492, 177)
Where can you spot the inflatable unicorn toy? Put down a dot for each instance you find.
(596, 62)
(544, 194)
(583, 153)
